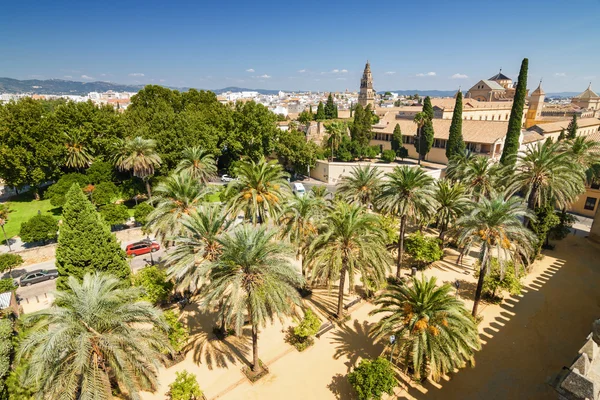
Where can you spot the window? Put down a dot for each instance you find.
(590, 203)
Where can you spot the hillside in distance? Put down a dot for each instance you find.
(61, 87)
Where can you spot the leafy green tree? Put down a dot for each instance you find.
(56, 192)
(178, 332)
(95, 320)
(434, 332)
(350, 241)
(563, 229)
(515, 122)
(104, 193)
(320, 116)
(423, 250)
(361, 128)
(39, 228)
(545, 220)
(456, 145)
(7, 285)
(78, 155)
(388, 156)
(156, 288)
(253, 278)
(141, 213)
(85, 243)
(198, 163)
(294, 152)
(361, 186)
(114, 214)
(402, 153)
(372, 378)
(507, 278)
(397, 141)
(495, 226)
(452, 202)
(260, 190)
(407, 193)
(9, 261)
(572, 128)
(305, 117)
(185, 387)
(100, 171)
(138, 155)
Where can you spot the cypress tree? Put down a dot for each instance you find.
(397, 139)
(85, 243)
(425, 142)
(320, 112)
(330, 107)
(428, 108)
(562, 135)
(456, 145)
(511, 142)
(572, 128)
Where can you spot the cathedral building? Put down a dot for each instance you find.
(366, 95)
(498, 88)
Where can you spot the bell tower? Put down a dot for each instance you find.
(536, 104)
(367, 94)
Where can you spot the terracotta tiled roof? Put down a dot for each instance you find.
(532, 136)
(587, 94)
(557, 126)
(500, 77)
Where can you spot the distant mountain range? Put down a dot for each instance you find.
(64, 87)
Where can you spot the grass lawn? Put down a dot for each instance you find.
(23, 207)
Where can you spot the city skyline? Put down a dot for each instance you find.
(318, 46)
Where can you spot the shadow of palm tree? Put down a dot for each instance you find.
(355, 343)
(340, 387)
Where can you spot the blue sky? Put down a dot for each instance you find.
(302, 45)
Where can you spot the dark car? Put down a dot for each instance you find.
(37, 276)
(143, 247)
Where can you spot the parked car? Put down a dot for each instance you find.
(39, 275)
(226, 178)
(142, 247)
(299, 189)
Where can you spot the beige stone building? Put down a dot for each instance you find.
(498, 88)
(588, 99)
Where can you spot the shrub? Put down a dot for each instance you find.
(388, 156)
(56, 193)
(495, 279)
(104, 193)
(100, 171)
(39, 228)
(9, 261)
(185, 387)
(154, 282)
(178, 332)
(6, 348)
(114, 214)
(141, 212)
(301, 336)
(7, 285)
(424, 250)
(371, 379)
(402, 153)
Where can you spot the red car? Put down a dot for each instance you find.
(143, 247)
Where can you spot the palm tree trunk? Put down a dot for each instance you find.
(482, 271)
(255, 362)
(6, 238)
(531, 203)
(400, 246)
(340, 310)
(148, 190)
(419, 146)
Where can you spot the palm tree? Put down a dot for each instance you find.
(138, 155)
(480, 176)
(4, 210)
(319, 192)
(546, 174)
(495, 226)
(434, 332)
(175, 196)
(197, 246)
(300, 219)
(199, 163)
(451, 202)
(78, 156)
(407, 193)
(420, 119)
(336, 130)
(254, 279)
(457, 165)
(350, 240)
(259, 191)
(96, 336)
(361, 186)
(583, 151)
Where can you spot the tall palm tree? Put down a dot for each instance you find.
(547, 174)
(300, 219)
(4, 210)
(583, 151)
(78, 155)
(197, 246)
(259, 191)
(457, 164)
(361, 185)
(407, 193)
(420, 119)
(495, 226)
(96, 336)
(177, 195)
(138, 155)
(337, 130)
(434, 332)
(451, 202)
(199, 163)
(350, 240)
(480, 175)
(254, 279)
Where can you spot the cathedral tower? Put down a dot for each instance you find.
(367, 94)
(536, 104)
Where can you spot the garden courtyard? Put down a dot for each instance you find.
(527, 339)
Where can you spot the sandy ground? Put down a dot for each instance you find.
(527, 339)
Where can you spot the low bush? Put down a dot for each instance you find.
(301, 336)
(424, 250)
(185, 387)
(39, 228)
(104, 193)
(153, 280)
(114, 214)
(56, 192)
(141, 212)
(371, 379)
(178, 332)
(388, 156)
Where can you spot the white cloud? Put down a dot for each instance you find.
(560, 74)
(459, 76)
(86, 77)
(250, 70)
(136, 74)
(68, 76)
(265, 76)
(344, 71)
(162, 80)
(389, 73)
(426, 74)
(335, 71)
(302, 71)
